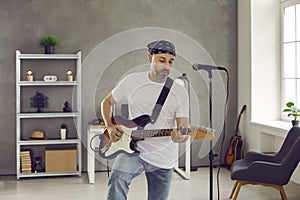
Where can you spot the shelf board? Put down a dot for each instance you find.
(48, 56)
(41, 174)
(49, 142)
(47, 115)
(43, 83)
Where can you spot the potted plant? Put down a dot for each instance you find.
(49, 41)
(292, 110)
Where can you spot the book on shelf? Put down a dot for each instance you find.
(26, 167)
(25, 153)
(27, 171)
(25, 157)
(25, 160)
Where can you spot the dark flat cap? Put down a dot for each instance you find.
(161, 46)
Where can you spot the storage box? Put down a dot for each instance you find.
(61, 160)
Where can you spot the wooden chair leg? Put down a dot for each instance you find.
(282, 193)
(237, 191)
(233, 189)
(238, 184)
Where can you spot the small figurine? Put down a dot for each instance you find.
(67, 108)
(37, 165)
(39, 101)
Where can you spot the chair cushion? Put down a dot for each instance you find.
(261, 171)
(238, 168)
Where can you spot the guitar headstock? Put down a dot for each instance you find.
(201, 132)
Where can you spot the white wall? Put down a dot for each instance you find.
(259, 76)
(265, 59)
(244, 66)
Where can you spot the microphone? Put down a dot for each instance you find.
(181, 79)
(207, 67)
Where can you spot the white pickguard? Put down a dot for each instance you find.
(123, 144)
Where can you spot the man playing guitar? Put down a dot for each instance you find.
(157, 155)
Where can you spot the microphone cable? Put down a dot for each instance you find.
(223, 131)
(98, 149)
(91, 141)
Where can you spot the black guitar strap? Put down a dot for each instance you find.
(143, 120)
(161, 99)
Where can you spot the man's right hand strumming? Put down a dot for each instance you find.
(115, 132)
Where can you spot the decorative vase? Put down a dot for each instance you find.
(63, 133)
(295, 122)
(49, 49)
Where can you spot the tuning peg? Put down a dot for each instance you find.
(211, 130)
(202, 128)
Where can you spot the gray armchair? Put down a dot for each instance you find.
(272, 171)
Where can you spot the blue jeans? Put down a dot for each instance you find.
(126, 168)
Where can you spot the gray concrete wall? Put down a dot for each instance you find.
(83, 24)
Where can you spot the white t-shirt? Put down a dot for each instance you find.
(141, 94)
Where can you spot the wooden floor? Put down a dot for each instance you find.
(75, 188)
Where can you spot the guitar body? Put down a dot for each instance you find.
(235, 149)
(230, 155)
(109, 149)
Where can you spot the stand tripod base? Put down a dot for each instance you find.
(192, 169)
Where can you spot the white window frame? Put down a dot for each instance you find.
(284, 4)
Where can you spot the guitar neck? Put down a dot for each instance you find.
(151, 133)
(195, 132)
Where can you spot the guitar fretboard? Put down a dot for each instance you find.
(151, 133)
(156, 133)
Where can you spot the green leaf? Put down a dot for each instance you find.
(287, 110)
(289, 104)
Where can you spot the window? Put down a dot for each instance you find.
(290, 73)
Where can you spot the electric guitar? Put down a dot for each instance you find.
(127, 142)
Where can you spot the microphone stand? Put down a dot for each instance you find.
(209, 69)
(211, 155)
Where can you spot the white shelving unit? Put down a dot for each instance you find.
(21, 115)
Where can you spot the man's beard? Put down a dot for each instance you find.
(162, 75)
